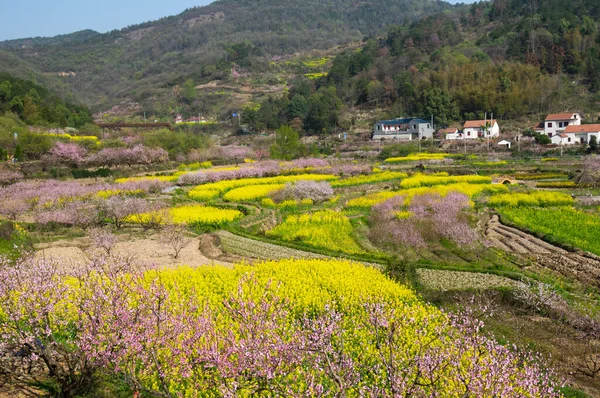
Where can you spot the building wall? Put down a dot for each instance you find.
(425, 129)
(406, 132)
(454, 136)
(472, 133)
(558, 126)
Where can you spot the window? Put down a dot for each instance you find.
(428, 126)
(469, 134)
(414, 126)
(378, 127)
(549, 125)
(549, 135)
(569, 139)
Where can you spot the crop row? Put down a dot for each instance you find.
(252, 248)
(565, 225)
(200, 192)
(422, 180)
(369, 179)
(535, 198)
(418, 157)
(471, 190)
(189, 215)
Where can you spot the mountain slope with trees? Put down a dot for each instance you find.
(204, 44)
(517, 59)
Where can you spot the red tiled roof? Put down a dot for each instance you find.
(584, 128)
(560, 116)
(469, 124)
(539, 126)
(450, 130)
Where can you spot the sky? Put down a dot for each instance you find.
(31, 18)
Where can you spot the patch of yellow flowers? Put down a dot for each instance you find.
(251, 192)
(368, 201)
(415, 157)
(119, 192)
(369, 179)
(324, 229)
(199, 192)
(189, 215)
(423, 180)
(536, 198)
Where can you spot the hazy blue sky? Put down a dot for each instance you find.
(30, 18)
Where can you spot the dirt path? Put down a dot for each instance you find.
(581, 266)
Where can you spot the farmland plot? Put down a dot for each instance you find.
(585, 268)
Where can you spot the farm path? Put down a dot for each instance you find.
(581, 266)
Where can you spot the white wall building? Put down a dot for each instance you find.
(402, 129)
(563, 139)
(474, 129)
(583, 133)
(451, 134)
(557, 122)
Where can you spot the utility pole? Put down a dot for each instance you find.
(561, 146)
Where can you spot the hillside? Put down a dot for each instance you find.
(202, 44)
(516, 59)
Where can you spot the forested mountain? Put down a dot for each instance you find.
(516, 58)
(204, 43)
(34, 104)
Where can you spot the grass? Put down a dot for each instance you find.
(563, 225)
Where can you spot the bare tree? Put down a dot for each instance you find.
(103, 239)
(174, 236)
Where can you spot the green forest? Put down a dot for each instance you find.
(515, 59)
(35, 105)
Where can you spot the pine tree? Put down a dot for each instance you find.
(18, 153)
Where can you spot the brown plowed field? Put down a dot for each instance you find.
(581, 266)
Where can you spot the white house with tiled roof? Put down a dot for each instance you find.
(584, 132)
(473, 129)
(556, 123)
(563, 139)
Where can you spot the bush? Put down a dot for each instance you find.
(103, 173)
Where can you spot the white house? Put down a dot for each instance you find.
(402, 129)
(451, 134)
(584, 132)
(473, 129)
(557, 122)
(178, 119)
(563, 139)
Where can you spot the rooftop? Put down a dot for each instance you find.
(405, 120)
(561, 116)
(478, 123)
(584, 128)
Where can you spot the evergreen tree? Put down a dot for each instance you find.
(287, 144)
(18, 153)
(593, 145)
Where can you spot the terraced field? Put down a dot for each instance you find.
(583, 266)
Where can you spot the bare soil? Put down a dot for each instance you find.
(584, 267)
(144, 249)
